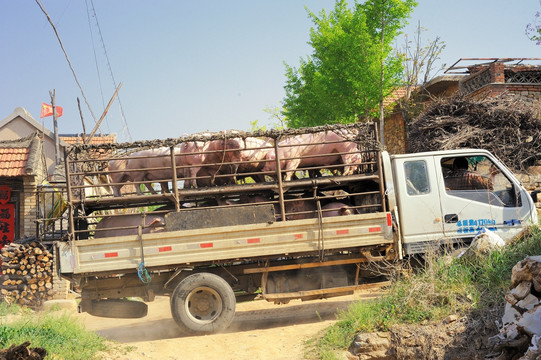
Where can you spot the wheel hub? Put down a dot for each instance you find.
(203, 304)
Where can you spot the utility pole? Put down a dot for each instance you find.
(55, 124)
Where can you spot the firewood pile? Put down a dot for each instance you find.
(26, 274)
(520, 333)
(504, 125)
(23, 352)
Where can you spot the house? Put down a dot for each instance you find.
(495, 76)
(21, 124)
(27, 161)
(22, 167)
(476, 78)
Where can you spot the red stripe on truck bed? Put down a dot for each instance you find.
(374, 229)
(254, 241)
(206, 245)
(342, 232)
(165, 248)
(113, 254)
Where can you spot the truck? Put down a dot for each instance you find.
(212, 219)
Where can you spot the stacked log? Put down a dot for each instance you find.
(26, 277)
(520, 335)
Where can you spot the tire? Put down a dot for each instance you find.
(119, 308)
(203, 303)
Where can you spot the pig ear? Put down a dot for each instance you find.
(155, 222)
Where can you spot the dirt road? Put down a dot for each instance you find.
(260, 330)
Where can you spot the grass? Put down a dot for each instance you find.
(59, 333)
(443, 286)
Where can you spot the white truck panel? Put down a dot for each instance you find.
(234, 242)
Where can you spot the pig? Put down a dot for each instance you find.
(307, 209)
(327, 147)
(300, 208)
(122, 225)
(203, 161)
(253, 155)
(143, 166)
(118, 175)
(190, 160)
(151, 165)
(337, 208)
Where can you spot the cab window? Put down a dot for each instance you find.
(477, 178)
(416, 177)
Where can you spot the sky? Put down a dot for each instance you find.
(195, 66)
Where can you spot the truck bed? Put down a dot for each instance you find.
(168, 250)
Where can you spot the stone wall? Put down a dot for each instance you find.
(395, 133)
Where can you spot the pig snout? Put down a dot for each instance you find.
(337, 208)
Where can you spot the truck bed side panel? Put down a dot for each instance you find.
(225, 243)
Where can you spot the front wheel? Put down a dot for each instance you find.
(203, 303)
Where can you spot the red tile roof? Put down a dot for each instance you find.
(13, 161)
(396, 95)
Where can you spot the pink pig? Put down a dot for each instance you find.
(311, 150)
(156, 167)
(143, 166)
(203, 161)
(253, 156)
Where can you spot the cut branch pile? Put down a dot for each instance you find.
(505, 126)
(23, 352)
(26, 274)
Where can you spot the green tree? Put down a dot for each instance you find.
(385, 20)
(352, 67)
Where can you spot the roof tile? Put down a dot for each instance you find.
(13, 161)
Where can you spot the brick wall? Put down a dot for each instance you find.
(60, 286)
(28, 207)
(29, 214)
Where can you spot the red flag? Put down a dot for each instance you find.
(47, 110)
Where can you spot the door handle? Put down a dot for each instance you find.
(450, 218)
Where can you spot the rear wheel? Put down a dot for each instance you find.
(203, 303)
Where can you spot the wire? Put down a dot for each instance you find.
(125, 129)
(95, 57)
(67, 58)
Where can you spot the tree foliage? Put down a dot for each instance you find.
(352, 67)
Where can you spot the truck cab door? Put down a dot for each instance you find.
(418, 199)
(483, 195)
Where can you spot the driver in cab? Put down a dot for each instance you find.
(461, 178)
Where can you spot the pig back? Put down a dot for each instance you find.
(122, 225)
